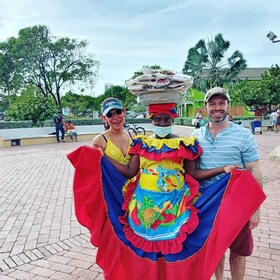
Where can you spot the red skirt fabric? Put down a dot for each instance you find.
(223, 211)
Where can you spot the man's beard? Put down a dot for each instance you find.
(220, 121)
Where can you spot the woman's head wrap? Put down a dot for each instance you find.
(167, 108)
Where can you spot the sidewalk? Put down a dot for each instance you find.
(40, 237)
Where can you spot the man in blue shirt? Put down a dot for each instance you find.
(226, 143)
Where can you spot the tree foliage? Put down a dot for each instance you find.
(9, 79)
(259, 96)
(79, 105)
(50, 63)
(208, 65)
(32, 105)
(123, 94)
(82, 105)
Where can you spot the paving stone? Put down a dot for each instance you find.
(10, 262)
(17, 260)
(85, 273)
(63, 276)
(17, 274)
(3, 266)
(41, 271)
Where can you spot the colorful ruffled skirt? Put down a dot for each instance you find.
(224, 208)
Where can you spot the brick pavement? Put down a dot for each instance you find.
(41, 239)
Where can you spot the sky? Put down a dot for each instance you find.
(124, 35)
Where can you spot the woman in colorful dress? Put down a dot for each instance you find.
(158, 227)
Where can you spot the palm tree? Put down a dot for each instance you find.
(206, 63)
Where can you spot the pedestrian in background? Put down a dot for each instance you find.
(278, 121)
(199, 118)
(273, 118)
(71, 131)
(59, 126)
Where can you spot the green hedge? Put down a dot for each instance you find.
(15, 124)
(183, 121)
(50, 123)
(244, 118)
(90, 121)
(188, 121)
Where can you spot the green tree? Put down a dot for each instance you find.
(79, 105)
(123, 94)
(51, 63)
(9, 80)
(259, 96)
(271, 83)
(84, 104)
(32, 105)
(208, 65)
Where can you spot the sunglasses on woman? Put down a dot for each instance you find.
(117, 111)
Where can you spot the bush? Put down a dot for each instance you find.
(77, 122)
(90, 121)
(50, 122)
(15, 124)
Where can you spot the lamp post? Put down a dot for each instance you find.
(271, 36)
(275, 154)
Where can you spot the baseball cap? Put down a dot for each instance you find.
(216, 91)
(109, 104)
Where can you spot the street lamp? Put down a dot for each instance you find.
(272, 37)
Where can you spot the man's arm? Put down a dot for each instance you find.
(191, 168)
(254, 168)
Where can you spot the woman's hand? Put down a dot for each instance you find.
(229, 168)
(95, 146)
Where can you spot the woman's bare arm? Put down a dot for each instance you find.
(129, 170)
(99, 142)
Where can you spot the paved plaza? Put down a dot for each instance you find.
(40, 237)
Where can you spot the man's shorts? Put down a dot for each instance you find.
(243, 243)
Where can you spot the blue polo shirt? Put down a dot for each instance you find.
(232, 145)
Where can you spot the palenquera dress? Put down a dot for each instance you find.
(159, 227)
(159, 211)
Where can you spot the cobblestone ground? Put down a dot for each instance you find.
(41, 239)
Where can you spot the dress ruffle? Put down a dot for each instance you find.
(174, 149)
(171, 246)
